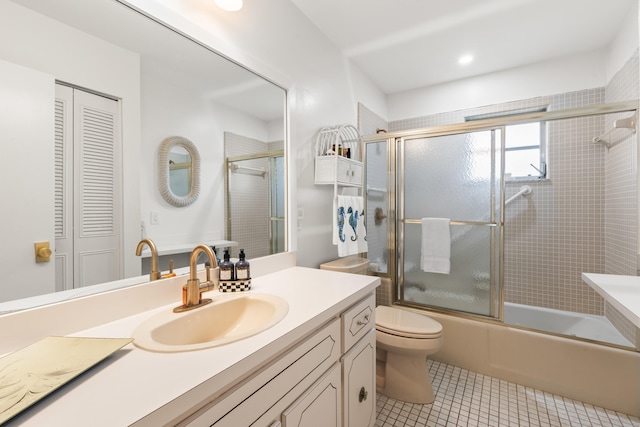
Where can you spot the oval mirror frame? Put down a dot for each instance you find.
(163, 171)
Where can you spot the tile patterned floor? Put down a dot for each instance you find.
(465, 398)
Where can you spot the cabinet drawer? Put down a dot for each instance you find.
(357, 321)
(267, 393)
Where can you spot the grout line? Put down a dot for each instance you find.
(465, 398)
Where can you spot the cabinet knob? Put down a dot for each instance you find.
(363, 322)
(363, 394)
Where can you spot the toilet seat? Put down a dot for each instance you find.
(406, 324)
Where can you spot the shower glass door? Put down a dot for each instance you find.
(277, 196)
(457, 177)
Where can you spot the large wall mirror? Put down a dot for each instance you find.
(144, 83)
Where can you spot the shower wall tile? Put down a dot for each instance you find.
(249, 206)
(621, 233)
(369, 122)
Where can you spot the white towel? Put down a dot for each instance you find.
(436, 245)
(349, 231)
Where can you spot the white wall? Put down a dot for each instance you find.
(168, 111)
(76, 58)
(276, 40)
(27, 175)
(625, 43)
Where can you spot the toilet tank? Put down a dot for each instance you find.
(351, 264)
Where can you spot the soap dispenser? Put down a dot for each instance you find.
(226, 268)
(215, 253)
(242, 267)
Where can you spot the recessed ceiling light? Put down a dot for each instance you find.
(230, 5)
(465, 59)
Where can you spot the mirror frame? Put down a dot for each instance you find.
(163, 171)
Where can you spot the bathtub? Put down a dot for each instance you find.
(597, 328)
(581, 370)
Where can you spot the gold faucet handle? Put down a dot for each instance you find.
(170, 273)
(210, 284)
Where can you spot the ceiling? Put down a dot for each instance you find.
(407, 44)
(170, 56)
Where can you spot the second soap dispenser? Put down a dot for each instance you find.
(226, 268)
(242, 267)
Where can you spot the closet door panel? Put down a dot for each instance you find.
(97, 207)
(63, 213)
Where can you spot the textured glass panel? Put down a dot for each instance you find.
(377, 196)
(448, 177)
(467, 287)
(455, 177)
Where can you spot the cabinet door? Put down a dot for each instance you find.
(319, 406)
(344, 171)
(358, 372)
(356, 173)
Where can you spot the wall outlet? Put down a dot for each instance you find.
(155, 218)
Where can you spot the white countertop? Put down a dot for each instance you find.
(622, 292)
(148, 389)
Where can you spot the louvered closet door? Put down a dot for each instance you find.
(87, 189)
(64, 187)
(97, 222)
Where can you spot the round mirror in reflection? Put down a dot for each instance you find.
(179, 171)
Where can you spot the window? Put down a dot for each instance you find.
(525, 146)
(525, 151)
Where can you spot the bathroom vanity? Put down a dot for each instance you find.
(318, 362)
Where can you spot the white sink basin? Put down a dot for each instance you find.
(227, 319)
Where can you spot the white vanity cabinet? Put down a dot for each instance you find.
(262, 398)
(327, 380)
(359, 364)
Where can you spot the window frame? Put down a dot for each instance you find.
(542, 166)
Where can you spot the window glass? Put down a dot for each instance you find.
(524, 155)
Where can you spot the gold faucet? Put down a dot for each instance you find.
(194, 289)
(155, 271)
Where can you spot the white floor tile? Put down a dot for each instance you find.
(465, 398)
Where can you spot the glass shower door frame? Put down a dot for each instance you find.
(496, 296)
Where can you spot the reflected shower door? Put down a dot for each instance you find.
(456, 177)
(277, 196)
(255, 203)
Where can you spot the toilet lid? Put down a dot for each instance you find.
(406, 323)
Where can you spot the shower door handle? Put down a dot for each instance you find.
(378, 216)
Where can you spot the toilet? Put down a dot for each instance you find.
(404, 339)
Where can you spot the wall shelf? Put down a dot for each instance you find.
(338, 153)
